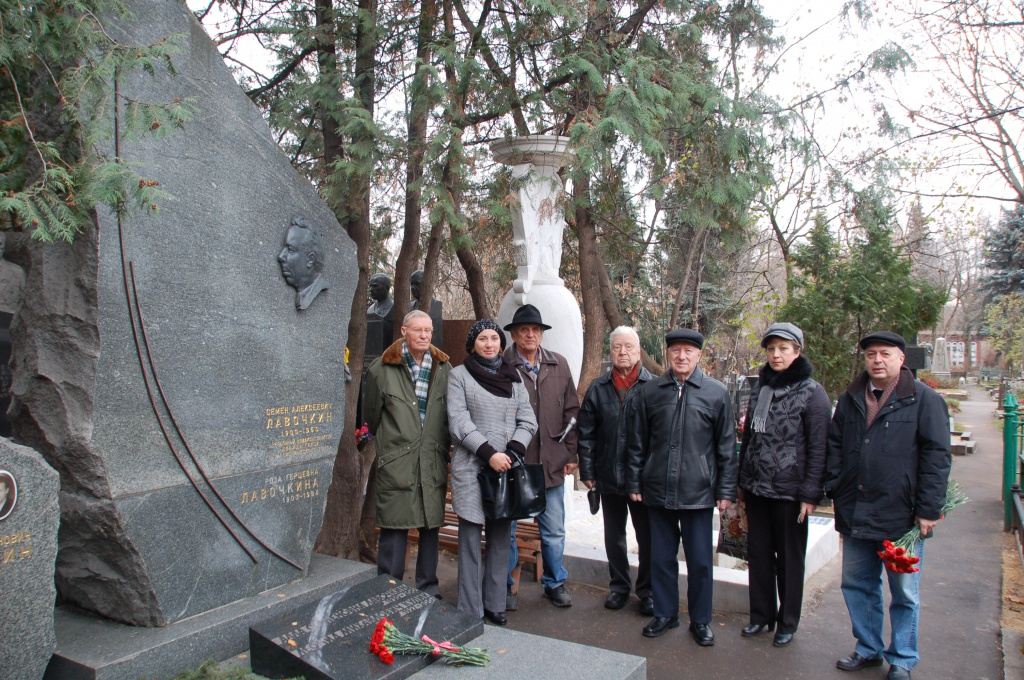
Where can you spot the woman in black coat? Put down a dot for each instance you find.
(782, 472)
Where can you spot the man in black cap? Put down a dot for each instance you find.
(887, 469)
(681, 463)
(553, 396)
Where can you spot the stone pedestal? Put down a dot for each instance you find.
(537, 232)
(940, 360)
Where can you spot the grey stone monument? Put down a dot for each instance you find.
(191, 402)
(29, 515)
(940, 360)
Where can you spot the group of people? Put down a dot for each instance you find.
(661, 452)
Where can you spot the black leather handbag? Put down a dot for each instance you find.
(516, 493)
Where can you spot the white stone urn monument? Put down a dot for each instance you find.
(537, 231)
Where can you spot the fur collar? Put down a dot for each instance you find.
(393, 354)
(801, 369)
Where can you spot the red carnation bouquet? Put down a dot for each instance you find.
(900, 556)
(363, 436)
(387, 641)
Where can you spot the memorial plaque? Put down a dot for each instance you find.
(330, 640)
(29, 515)
(184, 370)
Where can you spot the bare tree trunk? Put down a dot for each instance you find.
(590, 260)
(684, 282)
(419, 108)
(614, 316)
(340, 533)
(695, 303)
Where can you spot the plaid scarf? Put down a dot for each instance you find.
(420, 378)
(875, 405)
(531, 370)
(621, 384)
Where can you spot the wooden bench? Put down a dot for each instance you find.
(527, 540)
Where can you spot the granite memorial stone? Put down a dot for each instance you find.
(29, 515)
(940, 360)
(189, 394)
(329, 640)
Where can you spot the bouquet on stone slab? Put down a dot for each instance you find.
(900, 557)
(387, 641)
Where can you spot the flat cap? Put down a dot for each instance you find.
(886, 338)
(684, 335)
(786, 331)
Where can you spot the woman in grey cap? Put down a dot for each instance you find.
(782, 471)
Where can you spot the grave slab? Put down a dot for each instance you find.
(329, 639)
(518, 656)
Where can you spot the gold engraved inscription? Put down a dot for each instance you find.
(295, 486)
(15, 547)
(300, 429)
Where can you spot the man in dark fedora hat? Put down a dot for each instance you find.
(887, 469)
(553, 396)
(681, 462)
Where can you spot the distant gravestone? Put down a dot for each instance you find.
(184, 370)
(29, 515)
(940, 360)
(329, 640)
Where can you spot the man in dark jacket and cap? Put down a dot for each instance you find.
(603, 467)
(887, 469)
(553, 396)
(681, 463)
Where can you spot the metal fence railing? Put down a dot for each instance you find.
(1013, 446)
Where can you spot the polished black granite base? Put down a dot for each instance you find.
(330, 640)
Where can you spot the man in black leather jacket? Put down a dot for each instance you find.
(681, 463)
(603, 467)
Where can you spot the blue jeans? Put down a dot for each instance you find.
(862, 589)
(552, 541)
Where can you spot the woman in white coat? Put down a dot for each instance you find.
(489, 413)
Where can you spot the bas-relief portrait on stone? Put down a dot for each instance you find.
(302, 261)
(8, 494)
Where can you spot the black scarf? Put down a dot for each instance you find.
(776, 384)
(498, 383)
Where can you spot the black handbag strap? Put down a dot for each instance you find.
(517, 458)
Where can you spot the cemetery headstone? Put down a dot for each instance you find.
(29, 515)
(183, 370)
(329, 639)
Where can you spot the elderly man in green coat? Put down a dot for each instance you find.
(404, 405)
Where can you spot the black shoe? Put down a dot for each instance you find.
(659, 626)
(756, 629)
(647, 606)
(511, 604)
(855, 662)
(616, 601)
(898, 673)
(559, 596)
(497, 618)
(782, 639)
(702, 634)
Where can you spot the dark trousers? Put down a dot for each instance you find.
(482, 581)
(391, 548)
(776, 546)
(694, 528)
(615, 508)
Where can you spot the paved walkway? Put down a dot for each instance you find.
(959, 635)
